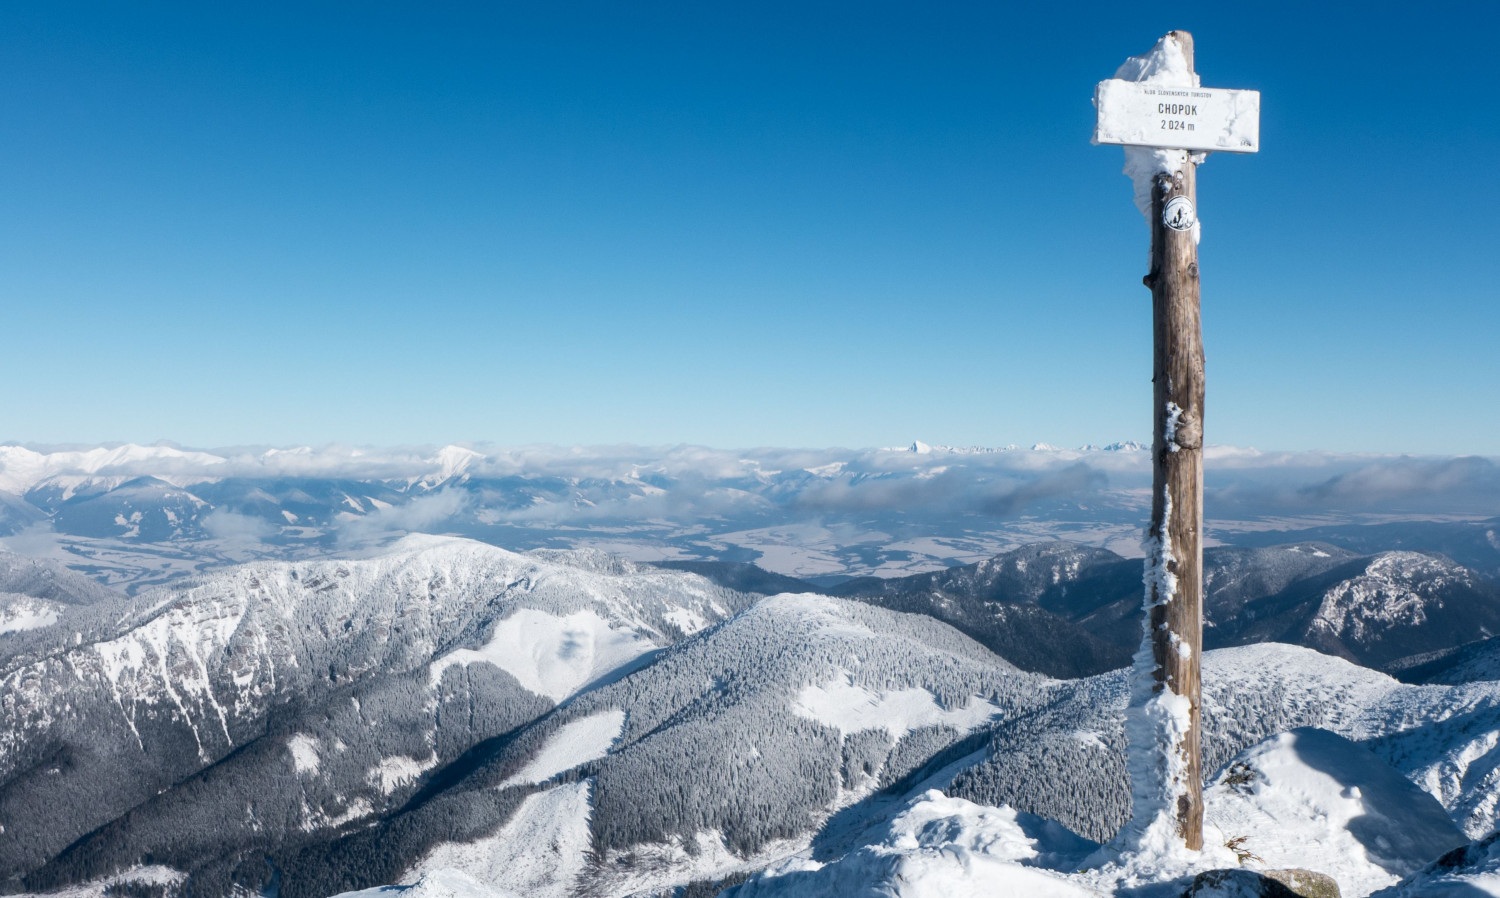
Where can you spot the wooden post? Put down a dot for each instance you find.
(1177, 467)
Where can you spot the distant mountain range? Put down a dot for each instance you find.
(136, 516)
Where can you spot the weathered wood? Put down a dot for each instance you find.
(1177, 475)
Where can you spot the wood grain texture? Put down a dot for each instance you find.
(1177, 469)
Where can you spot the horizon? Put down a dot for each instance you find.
(915, 446)
(1214, 451)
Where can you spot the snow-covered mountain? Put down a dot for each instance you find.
(1305, 799)
(1030, 605)
(1387, 611)
(354, 676)
(1070, 610)
(566, 723)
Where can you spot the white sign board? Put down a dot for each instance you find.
(1184, 118)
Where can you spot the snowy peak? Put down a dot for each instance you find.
(1396, 599)
(1233, 576)
(1417, 570)
(23, 469)
(452, 462)
(1394, 589)
(1388, 611)
(143, 508)
(1062, 608)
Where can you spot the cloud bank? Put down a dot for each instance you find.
(538, 486)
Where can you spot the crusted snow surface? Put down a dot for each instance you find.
(396, 771)
(26, 613)
(686, 620)
(943, 848)
(849, 708)
(1312, 799)
(574, 743)
(1449, 748)
(538, 853)
(1466, 872)
(1306, 798)
(437, 884)
(1439, 737)
(552, 655)
(304, 751)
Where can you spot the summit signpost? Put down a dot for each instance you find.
(1183, 118)
(1167, 122)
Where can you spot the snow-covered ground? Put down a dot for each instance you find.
(1308, 799)
(438, 884)
(26, 613)
(1312, 799)
(1422, 779)
(940, 847)
(1468, 872)
(849, 708)
(539, 853)
(574, 743)
(151, 875)
(551, 655)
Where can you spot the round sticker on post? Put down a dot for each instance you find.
(1178, 214)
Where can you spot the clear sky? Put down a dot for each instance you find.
(773, 224)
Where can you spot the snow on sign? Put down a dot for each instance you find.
(1144, 114)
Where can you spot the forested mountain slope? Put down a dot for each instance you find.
(272, 702)
(343, 724)
(1068, 610)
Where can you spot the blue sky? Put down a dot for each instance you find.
(780, 224)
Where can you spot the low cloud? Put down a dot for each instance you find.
(958, 489)
(1070, 481)
(237, 530)
(36, 541)
(540, 486)
(1358, 484)
(1468, 482)
(424, 514)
